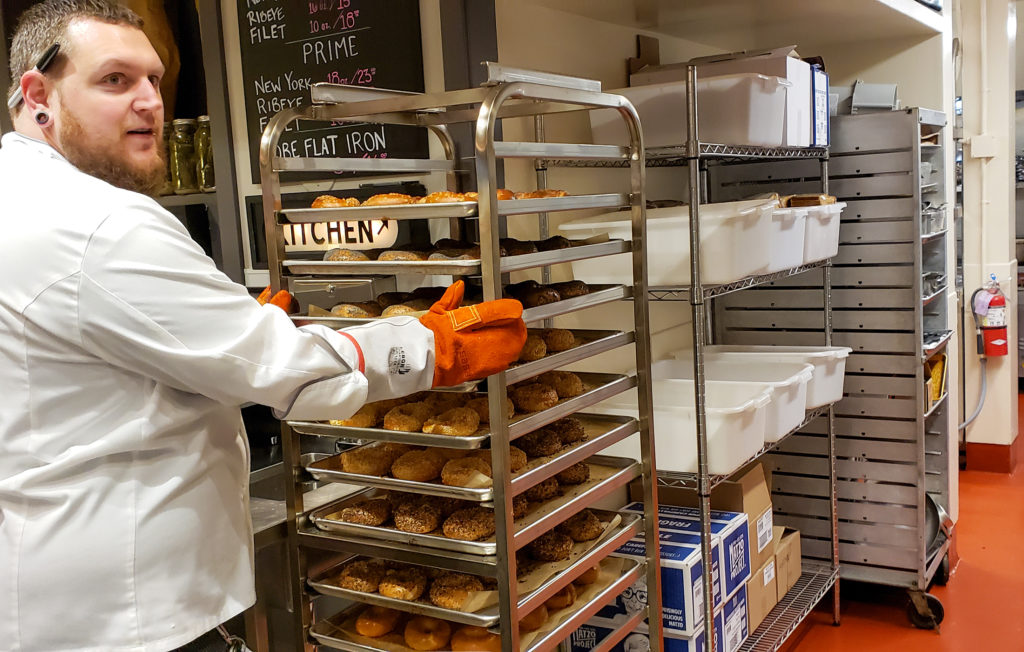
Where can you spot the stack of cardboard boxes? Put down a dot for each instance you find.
(753, 565)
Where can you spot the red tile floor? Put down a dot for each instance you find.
(983, 601)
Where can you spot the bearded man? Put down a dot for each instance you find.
(125, 355)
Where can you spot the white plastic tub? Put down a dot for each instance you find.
(732, 234)
(829, 362)
(739, 109)
(786, 245)
(821, 236)
(735, 424)
(786, 383)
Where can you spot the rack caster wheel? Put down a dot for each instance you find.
(942, 574)
(925, 610)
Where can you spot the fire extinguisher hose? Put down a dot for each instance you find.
(984, 367)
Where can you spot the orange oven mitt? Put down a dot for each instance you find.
(474, 341)
(283, 300)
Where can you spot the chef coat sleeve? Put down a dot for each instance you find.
(151, 301)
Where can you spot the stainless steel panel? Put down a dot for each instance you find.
(811, 298)
(419, 268)
(855, 532)
(867, 164)
(577, 252)
(879, 385)
(897, 408)
(497, 73)
(868, 132)
(875, 254)
(887, 472)
(847, 490)
(873, 342)
(866, 449)
(881, 364)
(883, 186)
(872, 209)
(900, 515)
(856, 277)
(878, 575)
(812, 319)
(865, 232)
(905, 430)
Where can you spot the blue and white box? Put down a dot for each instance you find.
(731, 631)
(682, 590)
(729, 534)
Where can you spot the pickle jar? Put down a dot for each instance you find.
(168, 187)
(183, 157)
(204, 156)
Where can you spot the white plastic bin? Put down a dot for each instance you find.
(786, 245)
(735, 424)
(732, 234)
(829, 362)
(739, 109)
(821, 236)
(786, 383)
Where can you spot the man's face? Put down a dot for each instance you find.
(109, 115)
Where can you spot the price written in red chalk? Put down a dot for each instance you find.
(345, 20)
(316, 6)
(361, 77)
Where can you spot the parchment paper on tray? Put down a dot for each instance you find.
(611, 570)
(395, 641)
(541, 573)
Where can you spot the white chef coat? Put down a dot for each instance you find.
(124, 357)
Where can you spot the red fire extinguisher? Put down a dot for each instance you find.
(991, 318)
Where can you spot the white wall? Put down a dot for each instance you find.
(988, 32)
(535, 37)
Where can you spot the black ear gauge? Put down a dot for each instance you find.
(42, 117)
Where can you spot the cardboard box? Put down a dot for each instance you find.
(781, 62)
(682, 589)
(788, 564)
(762, 593)
(731, 630)
(748, 493)
(729, 532)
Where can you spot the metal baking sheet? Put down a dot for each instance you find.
(598, 294)
(589, 343)
(612, 540)
(626, 470)
(597, 387)
(363, 213)
(379, 434)
(595, 425)
(439, 267)
(328, 631)
(567, 203)
(456, 267)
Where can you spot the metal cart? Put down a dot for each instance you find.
(890, 290)
(820, 572)
(315, 538)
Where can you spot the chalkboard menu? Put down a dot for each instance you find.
(289, 44)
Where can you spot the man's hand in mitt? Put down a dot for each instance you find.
(283, 300)
(475, 341)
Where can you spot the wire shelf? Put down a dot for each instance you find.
(689, 480)
(676, 155)
(782, 621)
(682, 293)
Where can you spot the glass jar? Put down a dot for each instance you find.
(183, 157)
(168, 187)
(204, 156)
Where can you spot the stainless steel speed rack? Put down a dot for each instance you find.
(315, 544)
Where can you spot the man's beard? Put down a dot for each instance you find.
(105, 164)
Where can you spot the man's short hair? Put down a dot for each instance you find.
(46, 23)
